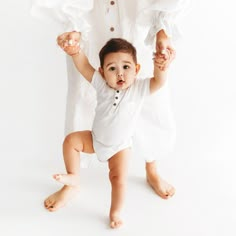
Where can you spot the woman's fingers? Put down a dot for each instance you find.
(61, 39)
(69, 42)
(68, 39)
(71, 50)
(164, 57)
(73, 39)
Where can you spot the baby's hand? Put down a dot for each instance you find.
(163, 59)
(69, 42)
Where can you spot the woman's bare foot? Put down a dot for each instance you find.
(160, 186)
(67, 179)
(115, 221)
(60, 198)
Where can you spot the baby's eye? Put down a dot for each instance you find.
(126, 67)
(112, 68)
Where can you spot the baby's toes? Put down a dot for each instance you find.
(116, 224)
(48, 203)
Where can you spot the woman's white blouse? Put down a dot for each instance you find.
(135, 20)
(130, 15)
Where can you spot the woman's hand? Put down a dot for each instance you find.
(69, 42)
(164, 51)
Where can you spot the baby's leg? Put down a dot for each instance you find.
(73, 144)
(118, 166)
(159, 185)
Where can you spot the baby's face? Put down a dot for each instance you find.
(119, 70)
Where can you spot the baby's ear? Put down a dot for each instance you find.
(101, 72)
(138, 66)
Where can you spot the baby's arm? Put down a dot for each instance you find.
(72, 48)
(160, 73)
(82, 64)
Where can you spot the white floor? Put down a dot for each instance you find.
(204, 203)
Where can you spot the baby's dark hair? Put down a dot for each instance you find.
(117, 45)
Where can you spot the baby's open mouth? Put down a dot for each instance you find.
(120, 82)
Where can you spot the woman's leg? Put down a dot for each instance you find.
(118, 166)
(160, 186)
(73, 144)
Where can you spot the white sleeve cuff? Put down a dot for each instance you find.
(160, 15)
(69, 14)
(162, 21)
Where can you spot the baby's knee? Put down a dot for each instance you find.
(117, 179)
(69, 140)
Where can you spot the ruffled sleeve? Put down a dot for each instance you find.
(70, 14)
(161, 14)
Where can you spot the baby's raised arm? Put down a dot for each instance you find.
(82, 64)
(70, 44)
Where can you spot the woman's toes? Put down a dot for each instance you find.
(166, 196)
(171, 192)
(46, 203)
(162, 194)
(54, 207)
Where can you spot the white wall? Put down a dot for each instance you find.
(204, 87)
(33, 84)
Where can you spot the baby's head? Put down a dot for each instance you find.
(118, 62)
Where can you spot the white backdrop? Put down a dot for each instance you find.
(33, 84)
(32, 106)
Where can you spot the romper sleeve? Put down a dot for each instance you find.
(161, 14)
(70, 14)
(97, 82)
(142, 87)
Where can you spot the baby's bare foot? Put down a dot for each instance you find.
(67, 179)
(60, 198)
(115, 221)
(160, 186)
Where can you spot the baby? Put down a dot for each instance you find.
(120, 96)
